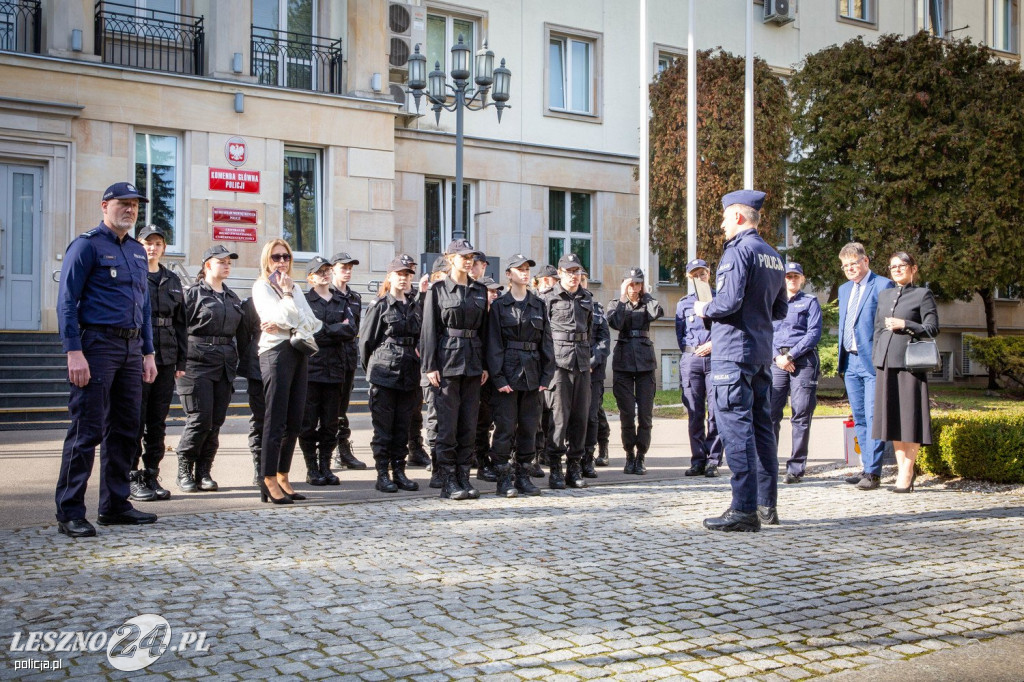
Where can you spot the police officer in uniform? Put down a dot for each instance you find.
(634, 366)
(103, 309)
(796, 368)
(694, 339)
(342, 264)
(167, 304)
(570, 311)
(751, 295)
(212, 314)
(247, 341)
(598, 431)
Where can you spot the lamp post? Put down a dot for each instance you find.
(436, 91)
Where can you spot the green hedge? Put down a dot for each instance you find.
(985, 446)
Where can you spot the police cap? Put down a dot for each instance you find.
(696, 264)
(794, 267)
(124, 190)
(748, 197)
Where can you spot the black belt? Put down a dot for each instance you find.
(163, 321)
(634, 334)
(401, 340)
(215, 340)
(785, 349)
(119, 332)
(570, 336)
(461, 333)
(689, 349)
(522, 345)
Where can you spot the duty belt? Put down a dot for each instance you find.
(462, 333)
(163, 321)
(215, 340)
(570, 336)
(119, 332)
(634, 334)
(522, 345)
(401, 340)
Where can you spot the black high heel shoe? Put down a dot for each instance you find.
(298, 497)
(265, 495)
(908, 489)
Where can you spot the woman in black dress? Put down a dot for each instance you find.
(902, 413)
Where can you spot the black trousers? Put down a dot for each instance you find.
(390, 412)
(258, 408)
(345, 397)
(430, 421)
(457, 402)
(545, 428)
(320, 420)
(597, 424)
(205, 402)
(284, 388)
(485, 420)
(634, 393)
(516, 417)
(156, 404)
(416, 420)
(570, 412)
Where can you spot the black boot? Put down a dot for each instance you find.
(313, 475)
(450, 489)
(630, 467)
(384, 483)
(602, 455)
(462, 478)
(555, 479)
(506, 486)
(401, 480)
(203, 478)
(186, 483)
(588, 464)
(345, 456)
(533, 468)
(485, 472)
(418, 457)
(639, 469)
(523, 483)
(574, 474)
(324, 461)
(256, 478)
(436, 480)
(139, 491)
(153, 483)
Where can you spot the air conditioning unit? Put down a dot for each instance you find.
(399, 94)
(778, 12)
(407, 27)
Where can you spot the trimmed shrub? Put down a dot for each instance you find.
(1002, 354)
(985, 446)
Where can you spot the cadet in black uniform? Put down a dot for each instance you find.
(342, 264)
(247, 340)
(570, 311)
(167, 302)
(597, 428)
(485, 420)
(751, 295)
(543, 282)
(212, 314)
(634, 366)
(440, 269)
(520, 359)
(388, 336)
(417, 456)
(326, 374)
(452, 351)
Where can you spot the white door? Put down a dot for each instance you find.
(20, 236)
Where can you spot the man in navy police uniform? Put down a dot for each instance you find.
(103, 309)
(751, 295)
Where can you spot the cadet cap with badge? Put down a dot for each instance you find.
(149, 231)
(490, 284)
(548, 271)
(518, 260)
(635, 275)
(568, 261)
(218, 251)
(462, 247)
(316, 264)
(343, 258)
(401, 264)
(124, 190)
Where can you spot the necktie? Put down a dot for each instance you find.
(851, 317)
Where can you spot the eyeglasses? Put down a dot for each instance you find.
(280, 257)
(899, 266)
(850, 266)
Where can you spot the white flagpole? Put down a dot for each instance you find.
(691, 142)
(748, 124)
(645, 152)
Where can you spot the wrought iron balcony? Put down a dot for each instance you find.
(149, 39)
(20, 25)
(295, 60)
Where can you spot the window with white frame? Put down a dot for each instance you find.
(858, 10)
(158, 9)
(439, 216)
(1006, 25)
(288, 26)
(302, 201)
(932, 16)
(666, 60)
(158, 177)
(570, 227)
(573, 62)
(443, 31)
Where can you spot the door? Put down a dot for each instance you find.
(20, 236)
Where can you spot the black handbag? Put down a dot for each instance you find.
(922, 355)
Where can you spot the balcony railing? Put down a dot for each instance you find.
(20, 25)
(149, 39)
(295, 60)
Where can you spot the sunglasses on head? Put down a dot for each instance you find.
(281, 257)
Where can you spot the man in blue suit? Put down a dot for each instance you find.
(858, 300)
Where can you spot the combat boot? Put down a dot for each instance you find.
(638, 468)
(485, 471)
(462, 478)
(186, 483)
(324, 462)
(574, 474)
(523, 483)
(153, 483)
(436, 480)
(588, 464)
(555, 479)
(204, 480)
(139, 491)
(313, 475)
(506, 486)
(533, 468)
(256, 478)
(418, 457)
(450, 489)
(384, 483)
(630, 467)
(602, 455)
(346, 458)
(401, 480)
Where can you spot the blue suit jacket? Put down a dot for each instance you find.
(864, 323)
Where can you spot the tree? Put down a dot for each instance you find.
(720, 102)
(912, 144)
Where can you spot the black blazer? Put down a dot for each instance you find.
(912, 303)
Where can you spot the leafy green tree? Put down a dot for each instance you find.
(720, 106)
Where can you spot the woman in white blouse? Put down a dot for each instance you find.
(282, 309)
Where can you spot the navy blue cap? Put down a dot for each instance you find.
(696, 264)
(149, 231)
(548, 271)
(124, 190)
(635, 275)
(315, 264)
(794, 267)
(569, 260)
(218, 251)
(342, 257)
(748, 197)
(519, 259)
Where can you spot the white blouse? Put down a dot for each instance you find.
(287, 312)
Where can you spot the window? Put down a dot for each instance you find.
(1011, 292)
(439, 218)
(157, 177)
(8, 28)
(284, 31)
(572, 63)
(859, 10)
(932, 16)
(150, 9)
(569, 227)
(789, 239)
(301, 201)
(443, 31)
(666, 275)
(1005, 25)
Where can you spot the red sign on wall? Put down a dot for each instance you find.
(235, 215)
(233, 180)
(232, 233)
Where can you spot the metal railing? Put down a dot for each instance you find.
(295, 60)
(149, 39)
(20, 25)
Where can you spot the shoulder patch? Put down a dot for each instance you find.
(725, 267)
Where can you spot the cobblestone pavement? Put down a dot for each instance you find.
(616, 582)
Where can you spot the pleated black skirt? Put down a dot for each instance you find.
(901, 406)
